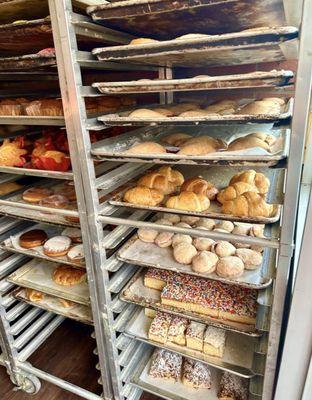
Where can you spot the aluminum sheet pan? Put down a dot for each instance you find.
(78, 312)
(220, 177)
(115, 148)
(150, 255)
(123, 119)
(27, 62)
(268, 44)
(238, 353)
(38, 172)
(238, 81)
(171, 390)
(37, 274)
(165, 19)
(135, 292)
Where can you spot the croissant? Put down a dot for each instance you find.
(189, 201)
(235, 190)
(157, 181)
(257, 179)
(34, 295)
(143, 196)
(146, 148)
(173, 175)
(249, 204)
(199, 185)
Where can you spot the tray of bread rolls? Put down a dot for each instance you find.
(225, 306)
(42, 59)
(238, 145)
(172, 376)
(229, 351)
(266, 110)
(57, 305)
(219, 193)
(55, 279)
(199, 82)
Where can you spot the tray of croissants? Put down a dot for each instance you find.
(236, 194)
(227, 144)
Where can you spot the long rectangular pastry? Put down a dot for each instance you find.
(195, 335)
(233, 387)
(214, 341)
(159, 327)
(196, 374)
(176, 332)
(156, 278)
(166, 365)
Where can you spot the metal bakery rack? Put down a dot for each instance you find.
(116, 312)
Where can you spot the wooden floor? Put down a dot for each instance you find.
(66, 354)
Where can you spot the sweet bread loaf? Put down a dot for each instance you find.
(11, 107)
(196, 374)
(145, 113)
(176, 331)
(230, 267)
(45, 107)
(214, 341)
(68, 276)
(144, 196)
(235, 190)
(158, 330)
(172, 175)
(257, 179)
(157, 181)
(34, 295)
(249, 204)
(189, 201)
(166, 365)
(176, 139)
(233, 387)
(9, 187)
(199, 185)
(146, 148)
(195, 335)
(157, 278)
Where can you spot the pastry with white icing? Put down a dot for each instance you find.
(195, 335)
(214, 341)
(57, 246)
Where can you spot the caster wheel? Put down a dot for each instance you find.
(29, 384)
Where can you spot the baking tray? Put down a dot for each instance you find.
(123, 118)
(168, 389)
(239, 81)
(238, 353)
(37, 274)
(115, 148)
(68, 175)
(27, 62)
(162, 18)
(135, 292)
(266, 44)
(134, 251)
(78, 312)
(220, 177)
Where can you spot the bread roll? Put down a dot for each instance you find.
(172, 175)
(206, 223)
(203, 243)
(143, 196)
(34, 295)
(241, 229)
(228, 226)
(204, 262)
(163, 221)
(230, 267)
(146, 148)
(248, 142)
(221, 106)
(184, 252)
(164, 111)
(201, 145)
(183, 225)
(199, 185)
(181, 238)
(257, 179)
(147, 235)
(182, 107)
(173, 218)
(249, 204)
(260, 108)
(189, 201)
(188, 219)
(251, 259)
(157, 181)
(164, 239)
(235, 190)
(138, 41)
(224, 249)
(145, 113)
(176, 139)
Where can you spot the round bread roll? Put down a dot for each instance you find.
(164, 111)
(144, 196)
(147, 235)
(176, 139)
(251, 259)
(257, 231)
(184, 252)
(205, 262)
(188, 201)
(164, 239)
(224, 249)
(220, 230)
(146, 148)
(230, 267)
(225, 225)
(145, 113)
(173, 176)
(173, 218)
(138, 41)
(68, 276)
(76, 254)
(180, 238)
(206, 223)
(163, 221)
(257, 248)
(203, 243)
(188, 219)
(241, 229)
(183, 225)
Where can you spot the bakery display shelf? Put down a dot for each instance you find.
(219, 177)
(27, 120)
(27, 62)
(4, 178)
(68, 175)
(136, 292)
(11, 244)
(37, 274)
(250, 80)
(163, 19)
(134, 251)
(246, 47)
(116, 148)
(13, 10)
(76, 311)
(124, 119)
(238, 353)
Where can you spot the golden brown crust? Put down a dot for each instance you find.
(34, 195)
(157, 181)
(68, 276)
(33, 238)
(235, 190)
(34, 295)
(189, 201)
(176, 139)
(199, 185)
(144, 196)
(249, 204)
(257, 179)
(248, 142)
(146, 148)
(173, 175)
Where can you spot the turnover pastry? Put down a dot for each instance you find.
(257, 179)
(57, 246)
(34, 295)
(199, 185)
(146, 148)
(33, 238)
(249, 204)
(68, 276)
(189, 201)
(158, 181)
(143, 196)
(223, 107)
(176, 139)
(230, 267)
(173, 175)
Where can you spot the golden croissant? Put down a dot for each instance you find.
(257, 179)
(249, 204)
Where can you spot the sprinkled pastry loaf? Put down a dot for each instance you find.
(166, 365)
(233, 387)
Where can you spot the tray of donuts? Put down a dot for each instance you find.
(229, 307)
(236, 194)
(237, 144)
(48, 242)
(57, 305)
(269, 109)
(173, 376)
(49, 195)
(224, 260)
(54, 279)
